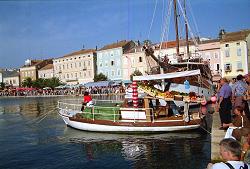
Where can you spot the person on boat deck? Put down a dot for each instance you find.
(225, 104)
(241, 122)
(174, 108)
(230, 151)
(87, 100)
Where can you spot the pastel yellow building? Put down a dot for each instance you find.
(235, 53)
(76, 68)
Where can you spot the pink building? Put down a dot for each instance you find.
(209, 50)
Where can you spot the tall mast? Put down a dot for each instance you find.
(176, 30)
(186, 28)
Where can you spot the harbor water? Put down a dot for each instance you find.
(33, 136)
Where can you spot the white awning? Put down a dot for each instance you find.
(168, 75)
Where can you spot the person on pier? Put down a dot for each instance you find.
(225, 104)
(240, 125)
(230, 151)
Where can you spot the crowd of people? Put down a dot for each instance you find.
(62, 91)
(233, 107)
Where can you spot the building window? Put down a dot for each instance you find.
(89, 73)
(112, 63)
(239, 65)
(71, 65)
(100, 64)
(118, 72)
(239, 52)
(75, 75)
(88, 63)
(67, 76)
(218, 67)
(113, 73)
(216, 55)
(80, 74)
(75, 65)
(84, 74)
(80, 64)
(227, 53)
(227, 45)
(140, 59)
(228, 67)
(238, 43)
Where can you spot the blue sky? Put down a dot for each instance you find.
(36, 29)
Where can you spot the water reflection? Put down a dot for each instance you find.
(140, 150)
(31, 128)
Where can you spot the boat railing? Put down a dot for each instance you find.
(114, 114)
(110, 113)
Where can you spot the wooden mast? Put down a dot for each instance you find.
(186, 28)
(176, 30)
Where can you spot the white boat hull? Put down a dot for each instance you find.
(126, 129)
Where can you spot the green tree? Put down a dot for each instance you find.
(135, 73)
(27, 82)
(53, 82)
(147, 42)
(39, 83)
(100, 77)
(2, 85)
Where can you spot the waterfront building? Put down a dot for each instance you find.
(31, 67)
(235, 54)
(11, 78)
(109, 59)
(46, 72)
(76, 68)
(209, 50)
(168, 49)
(134, 59)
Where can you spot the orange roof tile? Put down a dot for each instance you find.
(115, 45)
(83, 51)
(235, 36)
(48, 66)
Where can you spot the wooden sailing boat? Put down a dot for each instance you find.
(144, 113)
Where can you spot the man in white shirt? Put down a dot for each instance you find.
(230, 151)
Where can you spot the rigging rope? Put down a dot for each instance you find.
(192, 35)
(165, 30)
(193, 18)
(152, 21)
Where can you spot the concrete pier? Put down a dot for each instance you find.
(216, 136)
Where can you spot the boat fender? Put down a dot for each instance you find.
(187, 119)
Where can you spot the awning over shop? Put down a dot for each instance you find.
(99, 84)
(167, 75)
